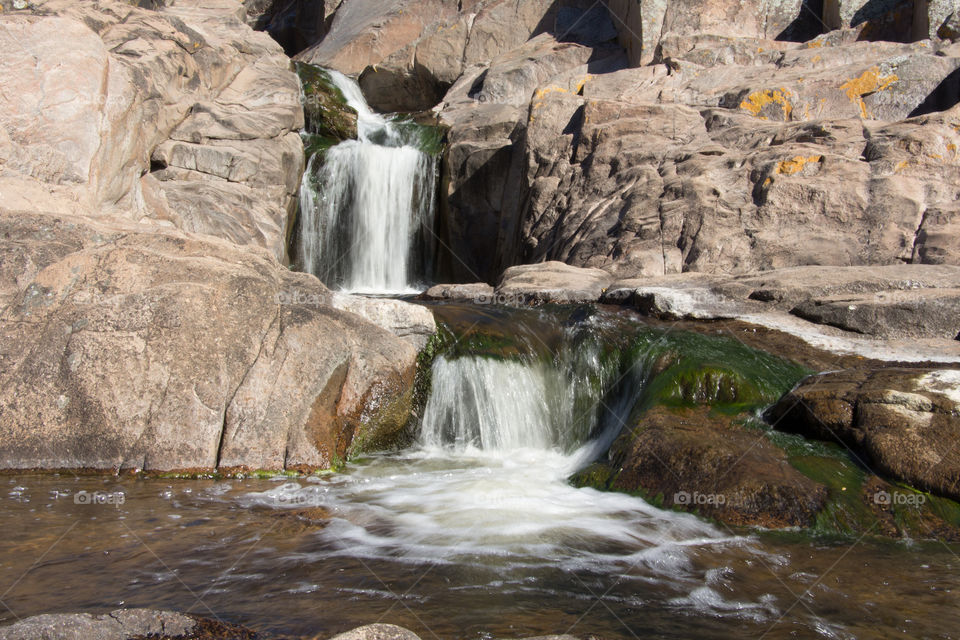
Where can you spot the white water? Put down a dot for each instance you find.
(369, 207)
(487, 490)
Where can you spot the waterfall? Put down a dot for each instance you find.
(367, 212)
(562, 404)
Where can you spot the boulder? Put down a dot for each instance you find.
(551, 282)
(478, 292)
(378, 632)
(902, 423)
(116, 625)
(128, 348)
(413, 323)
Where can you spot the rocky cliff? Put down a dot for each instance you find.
(149, 163)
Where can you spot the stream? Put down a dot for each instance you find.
(472, 532)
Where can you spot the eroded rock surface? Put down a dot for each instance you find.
(180, 117)
(127, 348)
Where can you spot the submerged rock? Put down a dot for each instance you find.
(698, 461)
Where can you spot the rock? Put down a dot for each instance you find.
(116, 625)
(478, 292)
(407, 53)
(902, 422)
(180, 117)
(378, 632)
(901, 314)
(487, 113)
(551, 282)
(294, 25)
(131, 348)
(949, 29)
(413, 323)
(896, 301)
(325, 108)
(702, 462)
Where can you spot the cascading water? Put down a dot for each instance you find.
(486, 493)
(367, 210)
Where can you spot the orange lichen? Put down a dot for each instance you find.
(790, 167)
(901, 166)
(869, 82)
(756, 101)
(543, 93)
(815, 44)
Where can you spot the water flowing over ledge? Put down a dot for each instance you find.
(367, 206)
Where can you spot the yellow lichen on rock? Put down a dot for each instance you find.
(796, 165)
(868, 82)
(756, 101)
(543, 93)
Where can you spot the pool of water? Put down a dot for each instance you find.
(467, 544)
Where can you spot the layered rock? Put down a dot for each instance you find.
(181, 117)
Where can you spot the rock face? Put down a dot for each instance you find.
(148, 165)
(407, 53)
(904, 422)
(181, 118)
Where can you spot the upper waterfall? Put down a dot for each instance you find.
(367, 205)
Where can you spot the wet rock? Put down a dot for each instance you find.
(127, 348)
(698, 461)
(904, 423)
(378, 632)
(325, 108)
(121, 624)
(552, 282)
